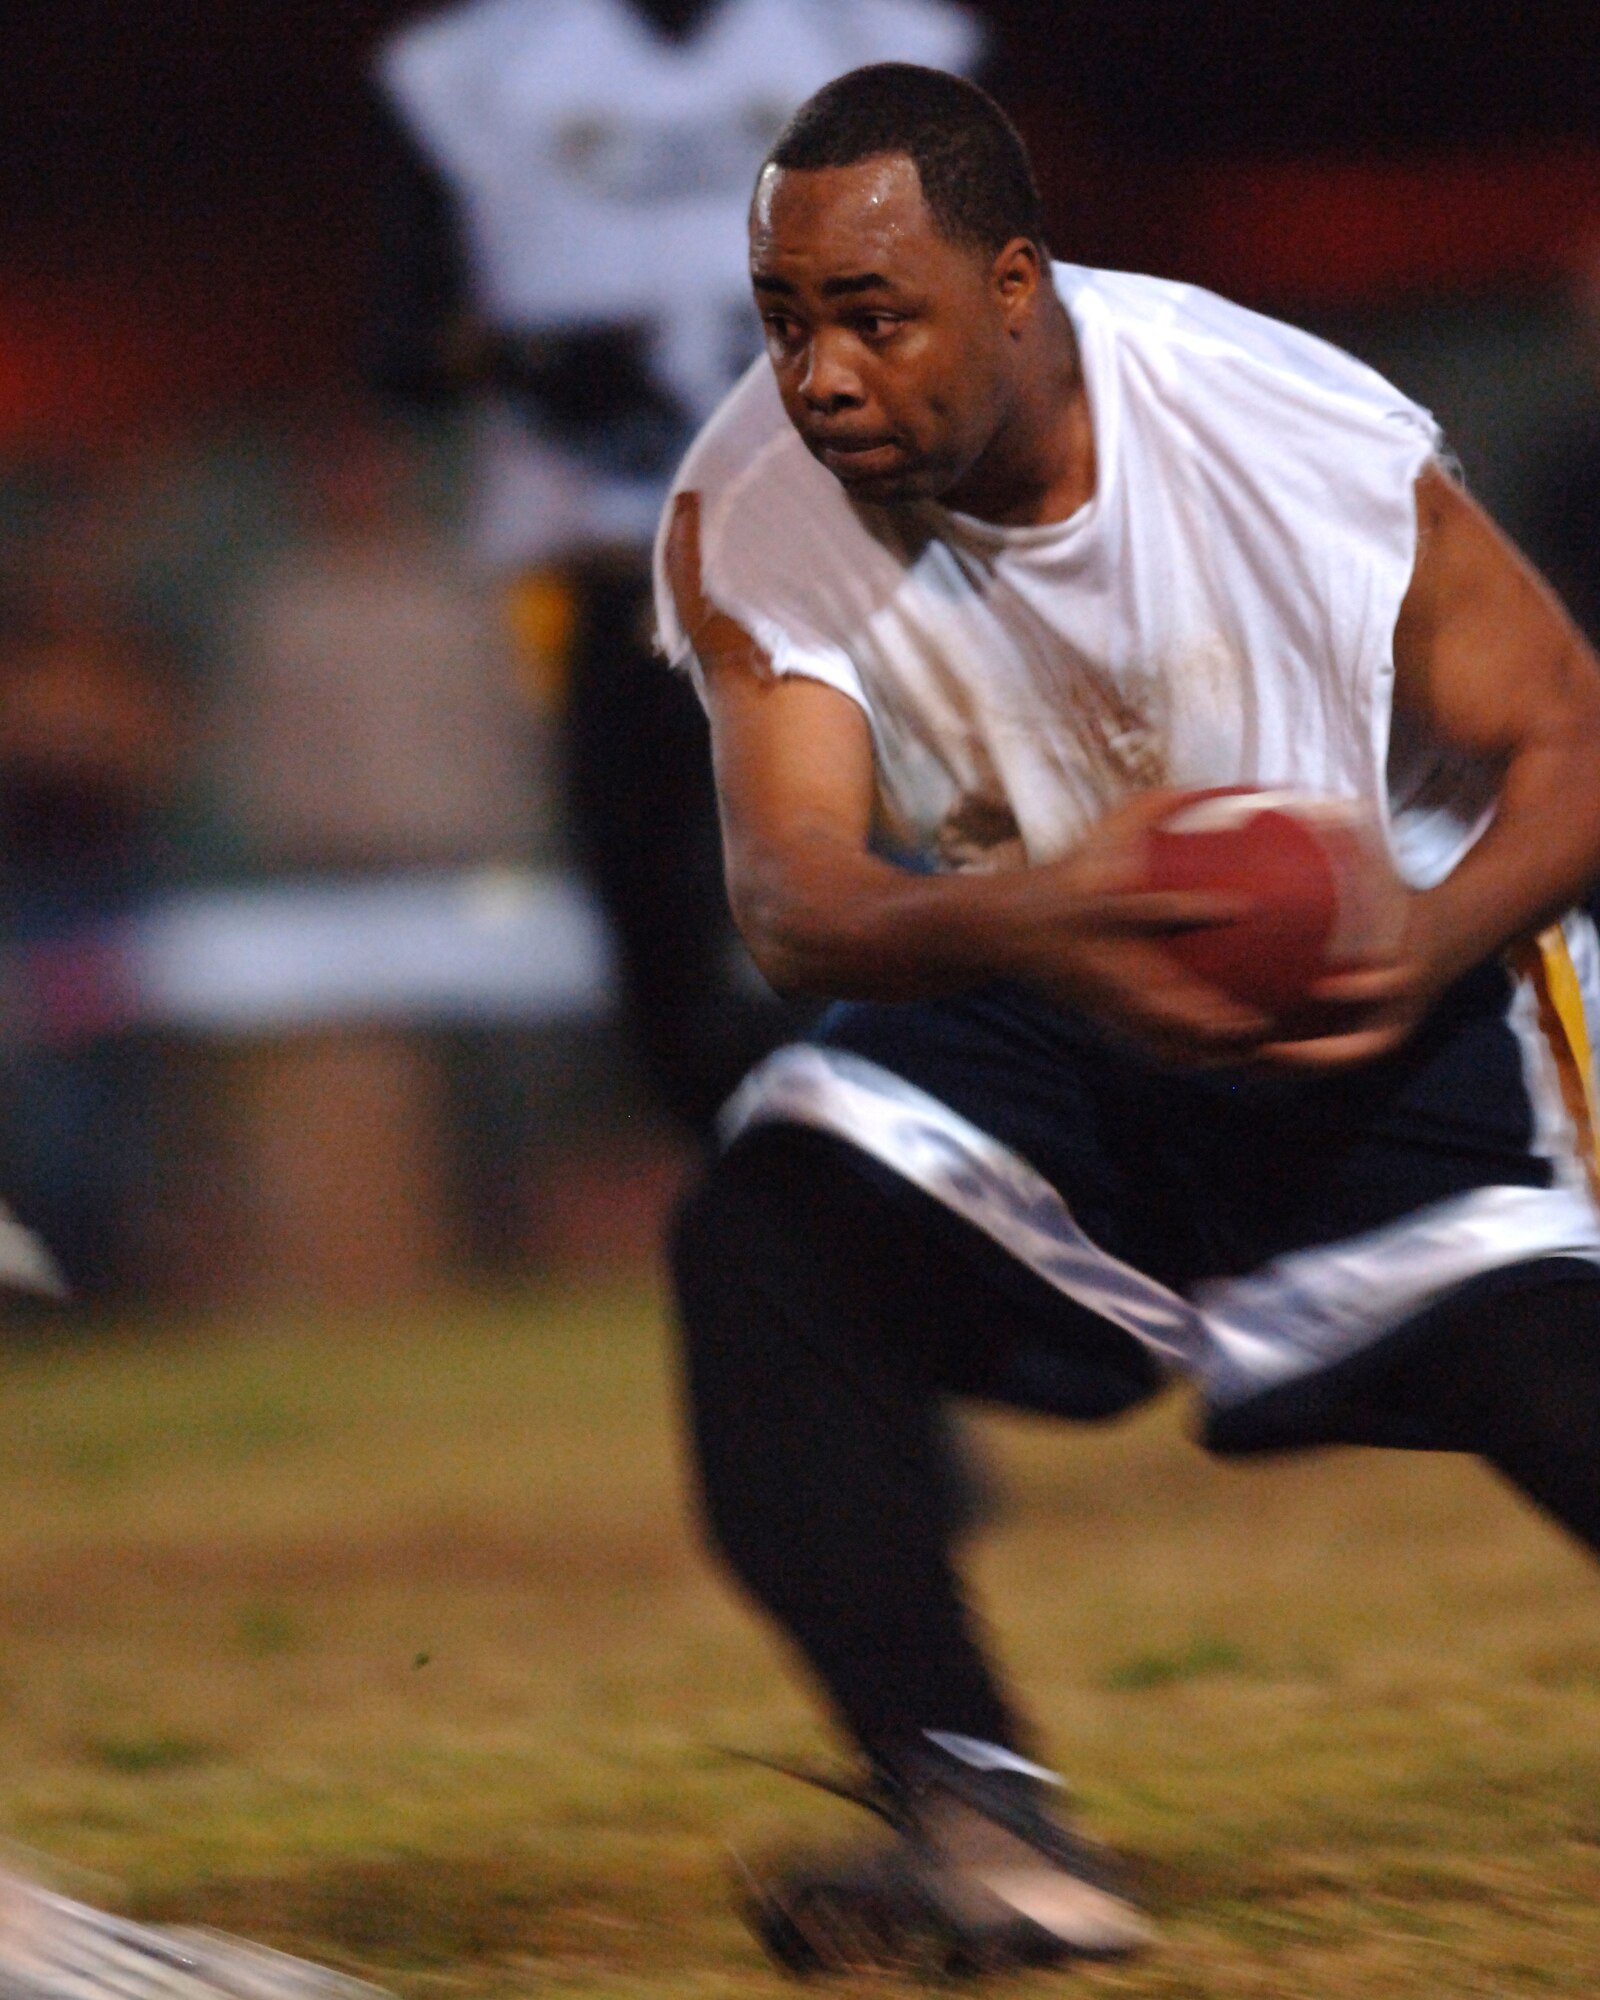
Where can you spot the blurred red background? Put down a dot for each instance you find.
(190, 189)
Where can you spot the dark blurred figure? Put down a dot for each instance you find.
(91, 722)
(1563, 533)
(567, 204)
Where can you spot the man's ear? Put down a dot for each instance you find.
(1015, 275)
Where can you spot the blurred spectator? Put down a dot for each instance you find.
(567, 241)
(91, 723)
(366, 719)
(366, 715)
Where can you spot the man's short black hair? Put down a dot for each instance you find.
(973, 166)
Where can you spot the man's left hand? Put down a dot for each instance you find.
(1371, 1011)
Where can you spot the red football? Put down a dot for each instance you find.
(1323, 895)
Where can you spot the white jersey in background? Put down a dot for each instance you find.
(1221, 612)
(603, 171)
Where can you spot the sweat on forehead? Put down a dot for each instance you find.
(839, 226)
(884, 191)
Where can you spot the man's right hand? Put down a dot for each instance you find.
(1089, 937)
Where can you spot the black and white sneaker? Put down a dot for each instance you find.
(978, 1877)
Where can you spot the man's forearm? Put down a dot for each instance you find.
(836, 921)
(1537, 858)
(823, 915)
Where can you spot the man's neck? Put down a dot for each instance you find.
(1041, 466)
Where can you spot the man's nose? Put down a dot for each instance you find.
(829, 382)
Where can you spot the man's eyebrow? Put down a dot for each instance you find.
(832, 288)
(865, 281)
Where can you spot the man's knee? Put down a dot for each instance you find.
(729, 1229)
(1510, 1360)
(781, 1196)
(694, 1237)
(755, 1335)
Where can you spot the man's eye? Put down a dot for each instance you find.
(877, 326)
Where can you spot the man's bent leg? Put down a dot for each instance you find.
(815, 1312)
(826, 1315)
(1514, 1375)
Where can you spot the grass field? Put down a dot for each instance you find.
(384, 1640)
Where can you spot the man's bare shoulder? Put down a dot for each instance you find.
(746, 444)
(782, 548)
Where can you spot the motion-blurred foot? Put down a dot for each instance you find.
(978, 1877)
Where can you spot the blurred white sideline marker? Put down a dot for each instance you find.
(25, 1263)
(54, 1948)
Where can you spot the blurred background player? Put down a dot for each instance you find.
(92, 720)
(566, 242)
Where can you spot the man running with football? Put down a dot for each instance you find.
(988, 560)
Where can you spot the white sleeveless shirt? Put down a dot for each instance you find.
(1221, 612)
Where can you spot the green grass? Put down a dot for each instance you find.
(384, 1639)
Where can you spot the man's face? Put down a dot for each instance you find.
(889, 342)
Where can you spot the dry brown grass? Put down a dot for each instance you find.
(384, 1640)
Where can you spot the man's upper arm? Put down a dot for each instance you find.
(1483, 649)
(1487, 658)
(793, 756)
